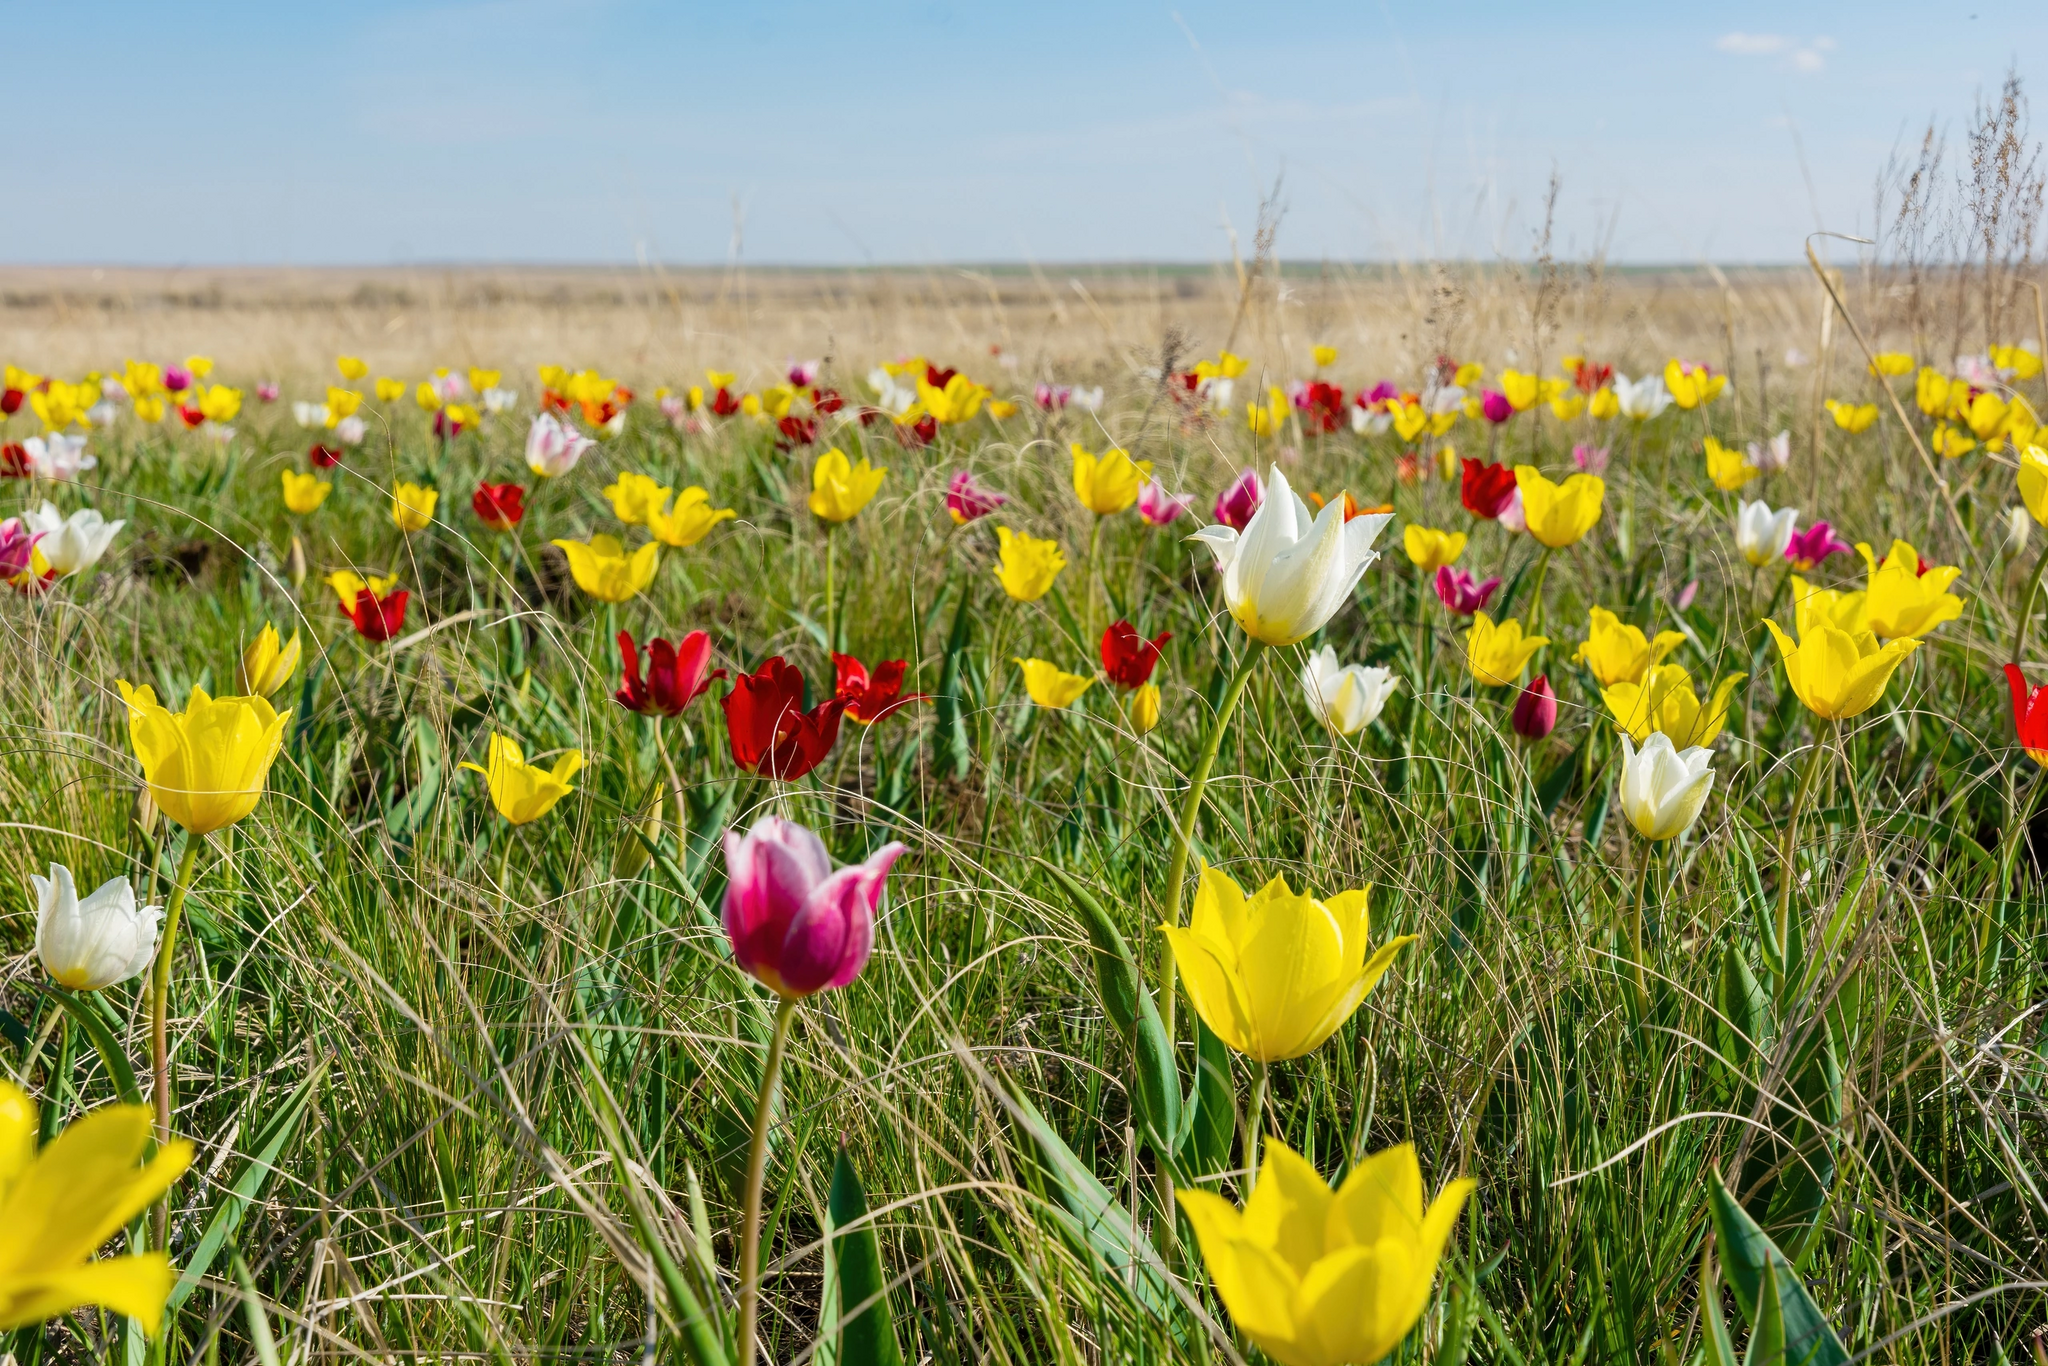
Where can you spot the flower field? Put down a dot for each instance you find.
(1515, 844)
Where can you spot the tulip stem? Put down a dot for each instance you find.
(831, 564)
(1536, 599)
(1789, 850)
(675, 788)
(2019, 630)
(1088, 603)
(757, 1172)
(1636, 933)
(1254, 1121)
(160, 1010)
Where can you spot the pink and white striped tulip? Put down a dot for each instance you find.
(794, 922)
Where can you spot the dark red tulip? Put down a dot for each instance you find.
(498, 506)
(2029, 715)
(827, 400)
(378, 618)
(10, 402)
(1535, 714)
(1127, 657)
(1322, 406)
(798, 431)
(723, 403)
(14, 461)
(1487, 489)
(936, 377)
(767, 727)
(191, 417)
(870, 696)
(324, 457)
(677, 674)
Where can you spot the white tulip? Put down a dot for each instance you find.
(310, 414)
(1289, 572)
(73, 544)
(92, 944)
(1761, 534)
(101, 414)
(349, 431)
(1664, 788)
(1216, 392)
(1088, 400)
(57, 456)
(1771, 456)
(1370, 421)
(1641, 399)
(1346, 698)
(499, 400)
(553, 447)
(891, 396)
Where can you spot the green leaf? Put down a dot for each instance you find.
(1767, 1331)
(867, 1330)
(411, 809)
(1748, 1259)
(1720, 1348)
(1741, 1021)
(952, 753)
(118, 1069)
(1213, 1107)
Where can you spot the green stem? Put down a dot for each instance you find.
(1254, 1121)
(1788, 850)
(505, 870)
(59, 1082)
(831, 565)
(1636, 934)
(2019, 630)
(1536, 603)
(1088, 614)
(160, 1011)
(757, 1172)
(675, 789)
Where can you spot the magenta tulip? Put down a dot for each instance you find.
(1535, 714)
(1236, 504)
(968, 499)
(1809, 547)
(1461, 592)
(1494, 406)
(795, 923)
(1157, 506)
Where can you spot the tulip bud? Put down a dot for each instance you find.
(145, 811)
(1143, 709)
(795, 923)
(2019, 525)
(296, 564)
(1535, 714)
(632, 853)
(91, 944)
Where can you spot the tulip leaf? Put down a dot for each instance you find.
(866, 1328)
(16, 1033)
(1211, 1117)
(411, 809)
(1750, 1261)
(119, 1070)
(1741, 1021)
(1720, 1348)
(1557, 784)
(951, 750)
(1116, 970)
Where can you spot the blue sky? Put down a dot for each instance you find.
(594, 130)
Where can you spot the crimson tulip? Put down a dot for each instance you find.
(2029, 715)
(1127, 657)
(499, 506)
(677, 674)
(870, 696)
(378, 618)
(1487, 489)
(767, 727)
(1535, 714)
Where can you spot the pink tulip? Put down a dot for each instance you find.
(1494, 406)
(1050, 396)
(1236, 504)
(1158, 507)
(177, 378)
(268, 390)
(1460, 592)
(1535, 714)
(794, 923)
(1512, 517)
(1813, 545)
(1591, 459)
(17, 547)
(804, 373)
(967, 498)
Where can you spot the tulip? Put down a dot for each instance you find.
(1028, 565)
(552, 446)
(603, 569)
(1429, 549)
(1663, 702)
(1486, 490)
(1603, 405)
(1345, 698)
(205, 766)
(840, 488)
(412, 506)
(1773, 455)
(1108, 483)
(1318, 1277)
(267, 665)
(310, 415)
(1236, 505)
(1127, 657)
(1559, 514)
(1727, 468)
(1837, 674)
(767, 729)
(1663, 788)
(1891, 363)
(92, 944)
(870, 696)
(2033, 482)
(1495, 407)
(1142, 709)
(54, 455)
(21, 559)
(1535, 713)
(1497, 655)
(389, 389)
(635, 498)
(794, 923)
(967, 499)
(74, 544)
(1618, 652)
(1591, 459)
(1692, 384)
(1457, 590)
(1763, 535)
(378, 613)
(1949, 442)
(1809, 547)
(1643, 399)
(1287, 573)
(500, 507)
(524, 792)
(61, 1203)
(677, 674)
(1275, 974)
(1049, 685)
(1853, 417)
(1900, 600)
(689, 521)
(1158, 507)
(2029, 715)
(304, 493)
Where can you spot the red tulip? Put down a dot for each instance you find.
(14, 461)
(324, 457)
(724, 404)
(191, 417)
(919, 433)
(1127, 657)
(936, 377)
(769, 731)
(798, 431)
(676, 674)
(378, 618)
(498, 506)
(2029, 715)
(1487, 489)
(871, 696)
(10, 402)
(1535, 714)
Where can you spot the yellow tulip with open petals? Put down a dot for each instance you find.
(689, 521)
(840, 488)
(1321, 1277)
(636, 498)
(1108, 483)
(603, 569)
(1559, 514)
(1618, 652)
(304, 493)
(1497, 655)
(60, 1204)
(1891, 364)
(205, 766)
(2033, 482)
(1836, 674)
(525, 792)
(1051, 686)
(412, 506)
(1664, 700)
(1028, 565)
(1429, 549)
(1899, 600)
(1274, 974)
(1727, 466)
(268, 664)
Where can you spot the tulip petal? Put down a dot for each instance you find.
(1288, 1208)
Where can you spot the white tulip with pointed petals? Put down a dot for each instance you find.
(73, 544)
(1641, 399)
(54, 455)
(1663, 788)
(1289, 571)
(91, 944)
(1346, 698)
(1761, 534)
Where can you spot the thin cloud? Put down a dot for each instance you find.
(1804, 56)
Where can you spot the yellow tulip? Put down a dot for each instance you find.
(603, 569)
(1143, 709)
(426, 397)
(412, 506)
(1028, 565)
(1899, 600)
(1618, 652)
(1049, 685)
(720, 379)
(267, 665)
(1692, 386)
(636, 498)
(1728, 467)
(1001, 408)
(347, 585)
(1108, 483)
(1430, 549)
(689, 521)
(1323, 355)
(200, 366)
(150, 409)
(220, 403)
(840, 488)
(1852, 417)
(960, 400)
(1318, 1277)
(1836, 674)
(1409, 420)
(389, 389)
(1565, 406)
(480, 380)
(341, 403)
(1665, 701)
(304, 492)
(205, 766)
(1225, 366)
(60, 1204)
(1813, 608)
(1891, 363)
(1559, 514)
(1266, 420)
(58, 406)
(1950, 442)
(525, 792)
(1519, 390)
(2023, 360)
(1468, 374)
(1603, 405)
(352, 368)
(2020, 422)
(1931, 392)
(1274, 974)
(1497, 655)
(2033, 482)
